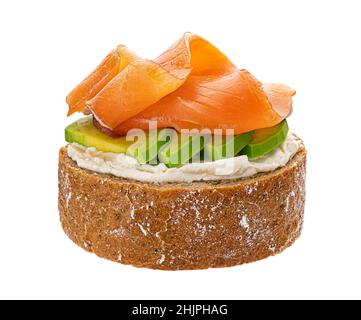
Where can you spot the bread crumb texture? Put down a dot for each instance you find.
(182, 226)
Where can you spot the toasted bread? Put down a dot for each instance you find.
(177, 226)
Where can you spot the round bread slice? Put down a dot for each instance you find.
(178, 226)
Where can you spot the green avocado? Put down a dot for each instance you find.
(179, 149)
(86, 134)
(227, 147)
(146, 147)
(174, 149)
(266, 140)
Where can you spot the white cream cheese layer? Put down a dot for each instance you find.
(124, 166)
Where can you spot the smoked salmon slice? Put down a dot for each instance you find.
(192, 85)
(112, 65)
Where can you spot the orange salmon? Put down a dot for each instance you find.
(192, 85)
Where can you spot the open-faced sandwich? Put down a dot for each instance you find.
(181, 162)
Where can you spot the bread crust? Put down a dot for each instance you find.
(178, 226)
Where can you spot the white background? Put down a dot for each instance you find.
(47, 47)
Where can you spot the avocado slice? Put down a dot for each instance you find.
(180, 149)
(174, 149)
(266, 140)
(146, 147)
(86, 134)
(217, 149)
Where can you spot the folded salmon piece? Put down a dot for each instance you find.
(112, 65)
(192, 85)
